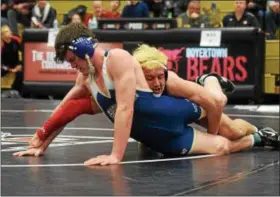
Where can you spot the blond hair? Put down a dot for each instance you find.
(150, 57)
(5, 28)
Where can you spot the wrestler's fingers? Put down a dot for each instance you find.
(21, 153)
(91, 161)
(96, 161)
(104, 163)
(16, 153)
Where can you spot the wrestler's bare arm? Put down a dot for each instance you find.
(121, 66)
(35, 150)
(179, 87)
(79, 90)
(38, 151)
(36, 145)
(95, 110)
(123, 74)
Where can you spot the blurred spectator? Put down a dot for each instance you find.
(192, 17)
(80, 10)
(257, 7)
(43, 15)
(166, 8)
(240, 18)
(98, 12)
(214, 15)
(272, 19)
(20, 12)
(115, 6)
(4, 10)
(11, 65)
(155, 7)
(5, 5)
(76, 18)
(4, 21)
(135, 9)
(175, 7)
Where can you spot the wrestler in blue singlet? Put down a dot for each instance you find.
(158, 122)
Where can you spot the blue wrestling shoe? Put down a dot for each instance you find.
(269, 137)
(226, 84)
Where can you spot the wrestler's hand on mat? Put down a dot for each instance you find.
(30, 152)
(102, 160)
(35, 141)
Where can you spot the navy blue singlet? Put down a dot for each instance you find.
(158, 122)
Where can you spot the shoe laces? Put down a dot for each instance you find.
(269, 132)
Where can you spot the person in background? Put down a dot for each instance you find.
(20, 11)
(76, 18)
(258, 8)
(135, 9)
(98, 12)
(272, 19)
(155, 7)
(192, 17)
(43, 15)
(115, 5)
(4, 8)
(166, 8)
(240, 18)
(11, 58)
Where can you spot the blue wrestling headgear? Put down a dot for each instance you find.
(83, 46)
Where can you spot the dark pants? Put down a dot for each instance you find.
(15, 17)
(272, 23)
(17, 85)
(261, 18)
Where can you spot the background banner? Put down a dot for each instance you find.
(234, 61)
(237, 54)
(39, 64)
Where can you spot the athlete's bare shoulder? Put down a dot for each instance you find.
(118, 54)
(120, 58)
(118, 51)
